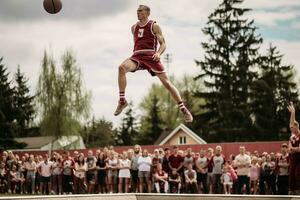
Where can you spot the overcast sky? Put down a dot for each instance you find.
(99, 33)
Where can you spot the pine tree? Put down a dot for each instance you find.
(127, 133)
(23, 104)
(228, 70)
(98, 133)
(274, 89)
(7, 112)
(151, 123)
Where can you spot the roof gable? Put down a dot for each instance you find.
(165, 137)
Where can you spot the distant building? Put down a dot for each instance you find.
(44, 143)
(181, 135)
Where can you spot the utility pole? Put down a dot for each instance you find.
(168, 60)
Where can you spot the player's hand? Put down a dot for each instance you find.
(156, 57)
(291, 107)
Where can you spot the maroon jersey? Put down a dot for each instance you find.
(295, 142)
(144, 38)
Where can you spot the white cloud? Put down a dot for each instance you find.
(269, 4)
(270, 18)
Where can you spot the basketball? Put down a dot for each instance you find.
(52, 6)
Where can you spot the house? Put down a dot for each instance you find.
(181, 135)
(45, 142)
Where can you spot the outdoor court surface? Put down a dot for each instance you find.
(147, 196)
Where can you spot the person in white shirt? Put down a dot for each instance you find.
(144, 167)
(226, 179)
(190, 179)
(124, 172)
(45, 172)
(243, 162)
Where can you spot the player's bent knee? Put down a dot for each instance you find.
(122, 69)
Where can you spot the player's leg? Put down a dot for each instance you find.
(126, 66)
(175, 94)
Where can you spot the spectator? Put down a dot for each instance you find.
(67, 173)
(161, 179)
(112, 171)
(210, 154)
(101, 167)
(190, 179)
(56, 170)
(165, 161)
(31, 170)
(176, 162)
(254, 174)
(45, 172)
(80, 170)
(91, 172)
(124, 172)
(226, 180)
(242, 162)
(218, 161)
(268, 176)
(3, 178)
(144, 166)
(201, 168)
(134, 168)
(17, 180)
(283, 171)
(174, 182)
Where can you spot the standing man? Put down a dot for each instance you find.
(145, 56)
(201, 168)
(294, 151)
(243, 162)
(218, 161)
(283, 171)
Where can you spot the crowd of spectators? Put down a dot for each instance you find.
(137, 170)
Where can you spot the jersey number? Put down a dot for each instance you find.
(141, 33)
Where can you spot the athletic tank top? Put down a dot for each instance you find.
(144, 38)
(295, 142)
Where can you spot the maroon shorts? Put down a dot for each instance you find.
(146, 62)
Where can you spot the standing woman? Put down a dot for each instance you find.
(112, 171)
(56, 174)
(101, 167)
(80, 175)
(254, 174)
(294, 152)
(124, 172)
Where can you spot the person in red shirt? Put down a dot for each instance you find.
(146, 57)
(294, 153)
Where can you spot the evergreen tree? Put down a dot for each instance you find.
(98, 133)
(151, 123)
(23, 104)
(127, 134)
(274, 90)
(228, 70)
(8, 125)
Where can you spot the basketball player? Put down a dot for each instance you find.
(145, 56)
(294, 152)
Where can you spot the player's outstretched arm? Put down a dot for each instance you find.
(291, 109)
